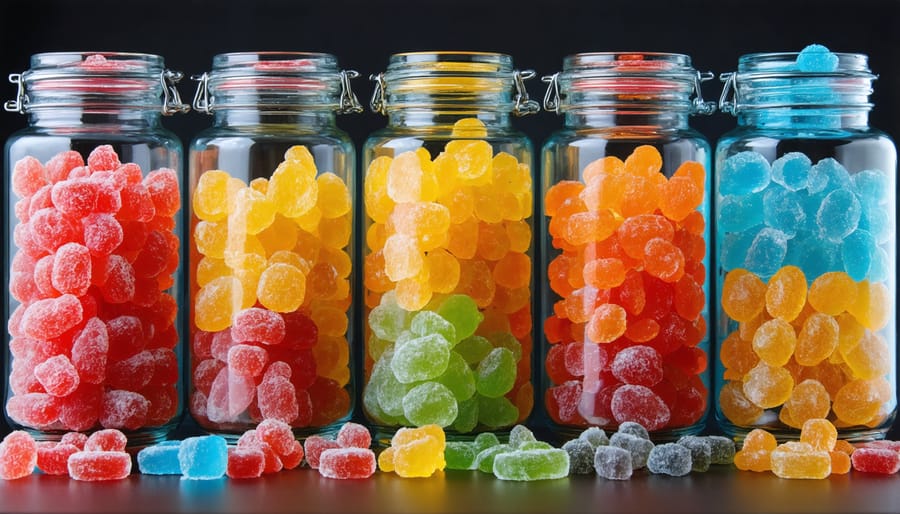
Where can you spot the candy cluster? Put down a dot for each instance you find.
(271, 296)
(448, 285)
(631, 280)
(805, 269)
(93, 337)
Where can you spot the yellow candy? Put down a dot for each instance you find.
(413, 294)
(446, 175)
(850, 332)
(736, 407)
(293, 189)
(786, 293)
(774, 342)
(216, 303)
(493, 243)
(237, 245)
(335, 232)
(308, 246)
(210, 194)
(377, 202)
(819, 433)
(428, 222)
(334, 197)
(288, 257)
(309, 221)
(743, 295)
(737, 356)
(817, 339)
(872, 307)
(468, 128)
(210, 238)
(832, 293)
(768, 386)
(280, 235)
(337, 259)
(248, 269)
(386, 460)
(463, 239)
(260, 184)
(376, 235)
(870, 358)
(209, 269)
(473, 160)
(299, 154)
(329, 320)
(408, 182)
(490, 205)
(443, 271)
(809, 400)
(416, 452)
(800, 460)
(756, 452)
(519, 234)
(460, 203)
(281, 288)
(402, 257)
(861, 400)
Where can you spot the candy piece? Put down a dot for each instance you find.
(258, 325)
(858, 401)
(52, 458)
(527, 465)
(701, 451)
(638, 447)
(786, 293)
(633, 428)
(313, 447)
(767, 386)
(883, 461)
(57, 375)
(122, 409)
(767, 252)
(809, 400)
(160, 459)
(744, 172)
(581, 456)
(596, 436)
(839, 214)
(496, 373)
(247, 360)
(459, 455)
(107, 440)
(613, 462)
(354, 435)
(347, 463)
(743, 295)
(18, 455)
(721, 449)
(640, 404)
(800, 460)
(421, 358)
(607, 323)
(774, 342)
(670, 459)
(817, 58)
(415, 452)
(791, 170)
(203, 457)
(429, 322)
(430, 403)
(281, 288)
(819, 433)
(641, 365)
(245, 463)
(277, 434)
(484, 461)
(50, 318)
(99, 465)
(755, 454)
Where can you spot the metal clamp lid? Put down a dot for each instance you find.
(730, 85)
(551, 97)
(524, 105)
(18, 104)
(701, 106)
(376, 103)
(201, 96)
(171, 98)
(349, 102)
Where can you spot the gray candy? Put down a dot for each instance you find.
(700, 451)
(721, 449)
(581, 456)
(633, 428)
(670, 459)
(639, 447)
(594, 435)
(612, 463)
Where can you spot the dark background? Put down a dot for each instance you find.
(363, 34)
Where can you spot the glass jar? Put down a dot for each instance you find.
(448, 246)
(624, 261)
(93, 265)
(805, 201)
(272, 187)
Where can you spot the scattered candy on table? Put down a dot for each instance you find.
(93, 336)
(630, 278)
(270, 297)
(448, 287)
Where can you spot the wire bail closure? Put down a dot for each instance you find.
(524, 105)
(17, 104)
(171, 98)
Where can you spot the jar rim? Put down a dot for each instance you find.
(764, 64)
(98, 62)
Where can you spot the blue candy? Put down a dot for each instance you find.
(876, 221)
(872, 186)
(203, 457)
(783, 210)
(738, 213)
(767, 252)
(744, 172)
(857, 250)
(827, 175)
(791, 170)
(839, 214)
(813, 255)
(160, 459)
(817, 59)
(879, 269)
(735, 247)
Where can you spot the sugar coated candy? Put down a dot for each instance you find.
(18, 455)
(245, 463)
(347, 463)
(701, 451)
(98, 465)
(105, 255)
(528, 465)
(414, 452)
(885, 461)
(160, 459)
(639, 447)
(613, 463)
(581, 456)
(203, 457)
(670, 459)
(800, 460)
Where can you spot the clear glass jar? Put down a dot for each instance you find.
(625, 253)
(93, 261)
(805, 201)
(448, 246)
(272, 189)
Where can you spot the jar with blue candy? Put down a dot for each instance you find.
(805, 249)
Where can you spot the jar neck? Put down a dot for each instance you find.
(606, 118)
(433, 118)
(791, 118)
(123, 118)
(308, 119)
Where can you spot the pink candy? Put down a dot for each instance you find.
(18, 455)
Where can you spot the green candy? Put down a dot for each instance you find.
(459, 455)
(459, 378)
(508, 341)
(378, 346)
(484, 461)
(423, 358)
(387, 320)
(485, 440)
(496, 373)
(467, 417)
(461, 311)
(535, 445)
(430, 403)
(427, 322)
(496, 412)
(473, 349)
(527, 465)
(519, 435)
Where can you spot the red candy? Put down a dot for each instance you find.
(884, 461)
(245, 463)
(347, 463)
(99, 465)
(52, 457)
(18, 455)
(314, 446)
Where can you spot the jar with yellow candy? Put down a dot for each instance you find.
(448, 248)
(272, 222)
